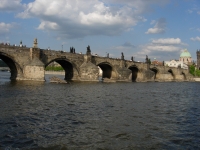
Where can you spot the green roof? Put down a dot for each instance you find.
(185, 53)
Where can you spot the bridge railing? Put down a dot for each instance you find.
(13, 45)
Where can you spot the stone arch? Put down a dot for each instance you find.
(15, 69)
(184, 75)
(71, 71)
(172, 74)
(135, 72)
(107, 70)
(156, 71)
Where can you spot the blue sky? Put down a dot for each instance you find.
(161, 29)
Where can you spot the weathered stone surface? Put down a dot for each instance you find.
(89, 72)
(123, 74)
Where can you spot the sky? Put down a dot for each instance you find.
(160, 29)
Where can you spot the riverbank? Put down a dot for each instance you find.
(55, 72)
(197, 79)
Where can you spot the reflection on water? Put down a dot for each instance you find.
(43, 115)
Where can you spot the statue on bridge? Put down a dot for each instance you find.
(108, 55)
(35, 44)
(20, 45)
(72, 50)
(122, 56)
(88, 50)
(147, 59)
(132, 58)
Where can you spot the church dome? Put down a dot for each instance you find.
(185, 53)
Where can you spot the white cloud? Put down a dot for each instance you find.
(195, 39)
(11, 5)
(5, 28)
(190, 11)
(167, 41)
(153, 22)
(140, 6)
(127, 46)
(155, 30)
(77, 19)
(162, 49)
(48, 25)
(198, 12)
(160, 27)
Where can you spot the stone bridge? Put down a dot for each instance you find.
(29, 64)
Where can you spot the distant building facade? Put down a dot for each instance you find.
(185, 57)
(157, 63)
(176, 64)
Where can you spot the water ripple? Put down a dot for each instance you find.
(99, 116)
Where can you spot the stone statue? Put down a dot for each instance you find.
(35, 44)
(132, 58)
(88, 50)
(108, 55)
(20, 45)
(122, 57)
(147, 60)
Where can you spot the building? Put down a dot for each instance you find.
(157, 63)
(176, 64)
(185, 57)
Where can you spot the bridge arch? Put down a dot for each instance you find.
(172, 73)
(184, 75)
(156, 71)
(71, 71)
(107, 70)
(135, 72)
(15, 69)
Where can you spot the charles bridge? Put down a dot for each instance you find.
(29, 64)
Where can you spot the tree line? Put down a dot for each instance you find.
(194, 72)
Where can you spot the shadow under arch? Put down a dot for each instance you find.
(106, 70)
(155, 70)
(135, 71)
(69, 67)
(15, 68)
(171, 72)
(184, 76)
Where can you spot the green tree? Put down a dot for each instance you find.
(192, 70)
(54, 68)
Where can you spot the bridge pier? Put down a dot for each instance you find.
(123, 72)
(89, 71)
(34, 72)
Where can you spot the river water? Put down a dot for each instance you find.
(99, 116)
